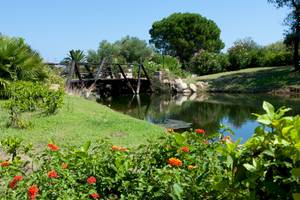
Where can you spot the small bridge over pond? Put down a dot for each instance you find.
(107, 78)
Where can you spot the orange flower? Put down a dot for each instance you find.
(205, 142)
(117, 148)
(52, 174)
(64, 165)
(185, 149)
(175, 162)
(95, 196)
(200, 131)
(4, 164)
(170, 130)
(227, 139)
(53, 147)
(32, 192)
(14, 182)
(91, 180)
(191, 167)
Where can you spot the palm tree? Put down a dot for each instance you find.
(76, 55)
(19, 62)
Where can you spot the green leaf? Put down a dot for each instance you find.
(86, 146)
(179, 139)
(296, 196)
(268, 108)
(249, 167)
(264, 119)
(296, 172)
(177, 191)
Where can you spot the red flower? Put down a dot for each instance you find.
(53, 147)
(91, 180)
(52, 174)
(4, 164)
(175, 162)
(14, 182)
(200, 131)
(95, 196)
(32, 192)
(185, 149)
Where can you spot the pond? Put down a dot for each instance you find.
(206, 111)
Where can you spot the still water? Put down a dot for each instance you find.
(207, 111)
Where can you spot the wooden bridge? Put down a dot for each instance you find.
(108, 78)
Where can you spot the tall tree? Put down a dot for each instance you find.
(78, 55)
(294, 19)
(133, 49)
(184, 34)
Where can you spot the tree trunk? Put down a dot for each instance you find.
(296, 42)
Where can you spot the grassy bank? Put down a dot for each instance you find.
(80, 120)
(253, 80)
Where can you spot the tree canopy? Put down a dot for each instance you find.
(293, 21)
(184, 34)
(128, 49)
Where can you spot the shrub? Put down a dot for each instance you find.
(208, 63)
(191, 165)
(30, 97)
(244, 54)
(277, 54)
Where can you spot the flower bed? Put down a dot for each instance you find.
(191, 165)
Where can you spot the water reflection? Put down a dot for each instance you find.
(206, 111)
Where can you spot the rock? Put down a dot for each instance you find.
(180, 85)
(180, 99)
(187, 92)
(166, 81)
(202, 85)
(193, 97)
(193, 88)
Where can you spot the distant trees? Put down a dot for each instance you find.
(245, 53)
(184, 34)
(128, 49)
(293, 20)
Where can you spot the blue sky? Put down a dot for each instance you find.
(56, 26)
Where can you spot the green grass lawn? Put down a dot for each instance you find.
(81, 120)
(252, 80)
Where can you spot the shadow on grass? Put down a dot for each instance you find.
(259, 81)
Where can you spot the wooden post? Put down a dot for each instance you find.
(70, 74)
(127, 81)
(76, 68)
(139, 80)
(145, 72)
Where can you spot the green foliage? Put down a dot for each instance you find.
(30, 97)
(133, 49)
(19, 62)
(191, 165)
(208, 63)
(277, 54)
(106, 50)
(245, 53)
(77, 55)
(184, 34)
(166, 63)
(128, 49)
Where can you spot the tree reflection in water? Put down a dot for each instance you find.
(205, 111)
